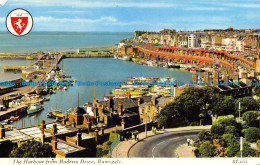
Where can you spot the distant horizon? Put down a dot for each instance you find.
(132, 15)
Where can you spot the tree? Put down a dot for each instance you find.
(252, 134)
(206, 149)
(32, 149)
(256, 90)
(224, 106)
(249, 117)
(187, 107)
(246, 104)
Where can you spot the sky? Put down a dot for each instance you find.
(131, 15)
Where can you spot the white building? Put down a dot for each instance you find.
(192, 41)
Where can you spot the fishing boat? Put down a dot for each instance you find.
(124, 92)
(193, 69)
(12, 118)
(46, 99)
(56, 114)
(34, 108)
(173, 65)
(124, 58)
(144, 63)
(29, 58)
(160, 91)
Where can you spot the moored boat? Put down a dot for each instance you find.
(34, 108)
(12, 118)
(56, 114)
(29, 58)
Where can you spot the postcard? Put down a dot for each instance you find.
(129, 82)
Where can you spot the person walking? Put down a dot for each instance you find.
(137, 137)
(154, 130)
(191, 142)
(188, 141)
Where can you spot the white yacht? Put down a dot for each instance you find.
(34, 108)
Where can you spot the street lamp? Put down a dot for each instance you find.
(145, 121)
(239, 110)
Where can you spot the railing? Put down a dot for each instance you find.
(113, 145)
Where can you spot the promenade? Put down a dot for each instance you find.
(121, 150)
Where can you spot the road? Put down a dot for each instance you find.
(163, 145)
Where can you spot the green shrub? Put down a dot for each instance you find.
(206, 149)
(217, 130)
(113, 136)
(252, 134)
(258, 144)
(233, 148)
(247, 151)
(32, 149)
(196, 152)
(249, 117)
(202, 136)
(228, 138)
(231, 130)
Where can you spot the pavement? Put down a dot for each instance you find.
(185, 151)
(121, 150)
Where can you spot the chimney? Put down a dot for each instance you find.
(139, 101)
(54, 129)
(153, 100)
(2, 131)
(120, 108)
(89, 125)
(95, 111)
(110, 104)
(43, 125)
(63, 121)
(54, 143)
(96, 135)
(123, 123)
(79, 139)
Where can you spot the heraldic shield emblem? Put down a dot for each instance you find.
(19, 22)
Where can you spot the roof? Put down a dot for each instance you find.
(34, 132)
(61, 128)
(66, 148)
(126, 103)
(16, 136)
(83, 137)
(161, 101)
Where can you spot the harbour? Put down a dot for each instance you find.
(65, 99)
